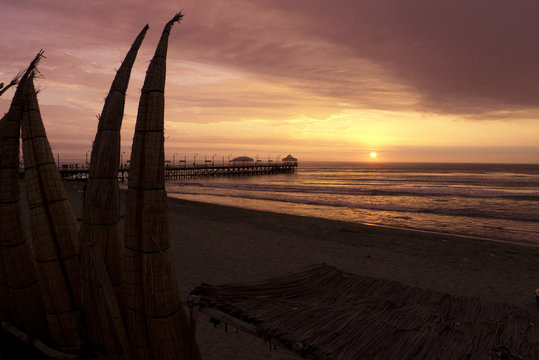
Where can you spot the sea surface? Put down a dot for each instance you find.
(492, 201)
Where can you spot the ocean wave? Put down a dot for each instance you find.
(373, 190)
(447, 211)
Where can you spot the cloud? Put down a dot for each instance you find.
(465, 56)
(470, 57)
(239, 61)
(459, 57)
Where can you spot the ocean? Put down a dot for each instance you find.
(491, 201)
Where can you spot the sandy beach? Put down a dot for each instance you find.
(218, 244)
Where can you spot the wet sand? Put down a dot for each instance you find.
(218, 244)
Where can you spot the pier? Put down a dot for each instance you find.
(80, 171)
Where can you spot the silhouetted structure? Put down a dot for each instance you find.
(81, 173)
(242, 160)
(290, 160)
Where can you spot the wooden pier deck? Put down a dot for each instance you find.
(80, 172)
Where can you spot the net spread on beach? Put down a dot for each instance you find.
(324, 313)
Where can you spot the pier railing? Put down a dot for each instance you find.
(80, 171)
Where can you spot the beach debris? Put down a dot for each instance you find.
(156, 321)
(20, 296)
(322, 312)
(54, 229)
(101, 245)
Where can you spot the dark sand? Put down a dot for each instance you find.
(218, 244)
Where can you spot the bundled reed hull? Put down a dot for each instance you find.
(156, 321)
(54, 230)
(4, 297)
(101, 217)
(19, 286)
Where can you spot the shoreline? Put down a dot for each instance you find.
(505, 229)
(367, 225)
(176, 196)
(218, 244)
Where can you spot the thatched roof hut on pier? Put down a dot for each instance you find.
(290, 160)
(242, 160)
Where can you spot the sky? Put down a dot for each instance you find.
(412, 80)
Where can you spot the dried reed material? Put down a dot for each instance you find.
(19, 286)
(324, 313)
(101, 215)
(4, 295)
(54, 229)
(153, 311)
(13, 82)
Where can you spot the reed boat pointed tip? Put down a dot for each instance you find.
(177, 18)
(33, 65)
(22, 75)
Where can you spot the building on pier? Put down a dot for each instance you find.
(290, 160)
(242, 160)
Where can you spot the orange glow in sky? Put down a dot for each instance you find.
(306, 78)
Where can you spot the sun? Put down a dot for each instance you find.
(373, 155)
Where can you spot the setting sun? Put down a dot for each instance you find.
(373, 155)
